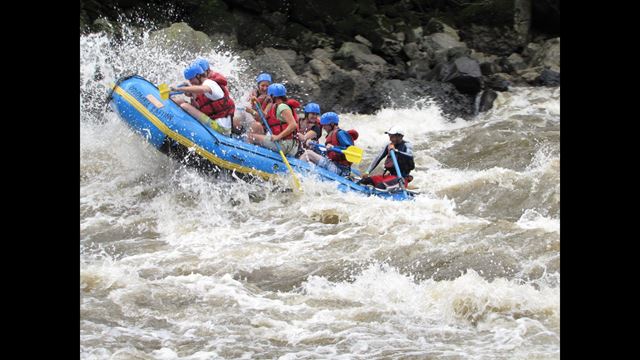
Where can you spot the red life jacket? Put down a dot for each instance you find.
(294, 104)
(262, 99)
(333, 140)
(405, 165)
(278, 126)
(220, 108)
(383, 181)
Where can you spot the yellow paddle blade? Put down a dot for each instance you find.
(164, 91)
(353, 154)
(296, 182)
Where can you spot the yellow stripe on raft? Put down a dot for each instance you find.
(185, 141)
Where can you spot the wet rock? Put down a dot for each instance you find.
(530, 50)
(498, 82)
(362, 40)
(549, 55)
(391, 47)
(486, 100)
(548, 77)
(356, 54)
(464, 73)
(411, 51)
(322, 53)
(488, 68)
(278, 66)
(419, 68)
(403, 93)
(181, 37)
(530, 74)
(438, 26)
(516, 62)
(458, 51)
(440, 41)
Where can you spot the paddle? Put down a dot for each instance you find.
(352, 153)
(165, 91)
(395, 164)
(296, 182)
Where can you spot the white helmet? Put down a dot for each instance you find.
(395, 130)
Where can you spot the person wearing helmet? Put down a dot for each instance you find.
(204, 64)
(260, 95)
(281, 121)
(404, 155)
(336, 139)
(211, 103)
(310, 129)
(243, 119)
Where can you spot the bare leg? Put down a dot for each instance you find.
(256, 133)
(178, 100)
(311, 156)
(237, 123)
(202, 117)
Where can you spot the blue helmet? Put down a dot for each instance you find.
(263, 77)
(277, 90)
(329, 118)
(312, 108)
(203, 63)
(192, 71)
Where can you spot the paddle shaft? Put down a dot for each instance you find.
(284, 158)
(392, 152)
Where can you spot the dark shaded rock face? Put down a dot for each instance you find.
(404, 93)
(361, 55)
(500, 41)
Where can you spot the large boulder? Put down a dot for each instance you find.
(355, 54)
(412, 51)
(340, 90)
(180, 37)
(529, 51)
(464, 73)
(405, 93)
(438, 26)
(273, 60)
(549, 55)
(486, 100)
(440, 41)
(548, 77)
(516, 62)
(322, 53)
(419, 68)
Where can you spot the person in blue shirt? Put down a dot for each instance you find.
(336, 139)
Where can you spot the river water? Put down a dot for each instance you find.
(175, 264)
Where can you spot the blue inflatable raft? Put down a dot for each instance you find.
(172, 130)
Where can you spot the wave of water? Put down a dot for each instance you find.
(179, 265)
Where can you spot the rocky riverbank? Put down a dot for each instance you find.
(363, 55)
